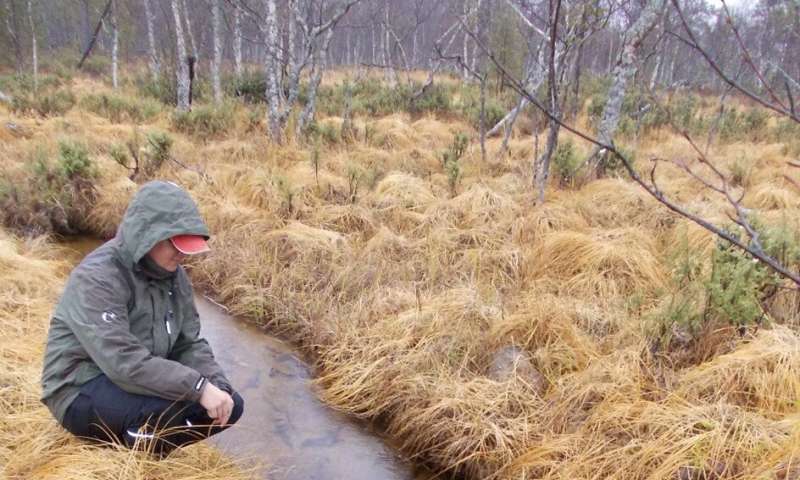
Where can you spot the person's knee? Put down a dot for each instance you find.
(238, 408)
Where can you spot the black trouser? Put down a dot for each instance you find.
(103, 411)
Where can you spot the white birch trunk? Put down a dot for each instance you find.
(533, 81)
(291, 44)
(391, 74)
(237, 41)
(372, 43)
(624, 70)
(11, 27)
(34, 49)
(475, 48)
(313, 85)
(150, 19)
(114, 46)
(347, 50)
(465, 47)
(216, 13)
(182, 70)
(270, 33)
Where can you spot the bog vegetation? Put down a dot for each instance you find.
(362, 213)
(596, 334)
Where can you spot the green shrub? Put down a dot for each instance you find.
(734, 291)
(143, 163)
(120, 109)
(451, 158)
(250, 87)
(74, 161)
(23, 84)
(566, 162)
(164, 90)
(55, 197)
(327, 132)
(495, 110)
(436, 99)
(46, 104)
(641, 114)
(159, 146)
(205, 121)
(684, 112)
(730, 124)
(97, 66)
(613, 165)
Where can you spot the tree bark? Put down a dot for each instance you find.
(313, 85)
(34, 49)
(271, 71)
(153, 61)
(624, 70)
(114, 46)
(190, 32)
(182, 70)
(388, 62)
(237, 41)
(541, 167)
(216, 14)
(12, 26)
(93, 40)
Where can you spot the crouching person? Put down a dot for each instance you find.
(124, 360)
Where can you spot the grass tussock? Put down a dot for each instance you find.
(607, 263)
(593, 336)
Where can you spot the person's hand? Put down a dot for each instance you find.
(218, 404)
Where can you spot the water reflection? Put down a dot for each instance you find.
(284, 423)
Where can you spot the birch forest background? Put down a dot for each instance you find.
(520, 238)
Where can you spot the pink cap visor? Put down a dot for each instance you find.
(190, 244)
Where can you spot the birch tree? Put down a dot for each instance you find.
(541, 166)
(190, 32)
(314, 42)
(271, 71)
(182, 66)
(624, 70)
(535, 73)
(237, 40)
(34, 49)
(152, 54)
(12, 28)
(216, 64)
(114, 46)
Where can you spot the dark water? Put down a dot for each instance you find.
(285, 428)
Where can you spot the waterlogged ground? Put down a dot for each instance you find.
(285, 430)
(285, 424)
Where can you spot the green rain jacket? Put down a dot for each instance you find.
(141, 331)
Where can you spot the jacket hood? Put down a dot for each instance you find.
(159, 210)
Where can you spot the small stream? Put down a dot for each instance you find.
(285, 430)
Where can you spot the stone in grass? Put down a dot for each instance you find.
(511, 361)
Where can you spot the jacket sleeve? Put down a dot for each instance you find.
(97, 314)
(194, 351)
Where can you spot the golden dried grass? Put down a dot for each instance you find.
(608, 263)
(404, 297)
